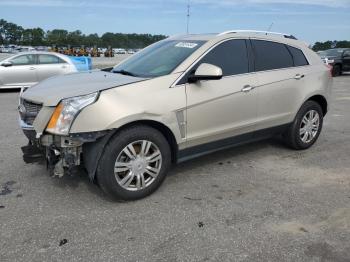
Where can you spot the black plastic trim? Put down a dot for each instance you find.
(200, 150)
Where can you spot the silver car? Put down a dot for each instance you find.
(28, 68)
(177, 99)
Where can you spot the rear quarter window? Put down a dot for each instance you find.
(271, 55)
(298, 56)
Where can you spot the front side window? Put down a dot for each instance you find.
(298, 56)
(231, 56)
(23, 60)
(49, 59)
(271, 55)
(159, 59)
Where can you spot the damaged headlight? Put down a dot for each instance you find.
(66, 111)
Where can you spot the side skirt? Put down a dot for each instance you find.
(200, 150)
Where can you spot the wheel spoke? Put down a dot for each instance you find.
(142, 177)
(127, 179)
(302, 131)
(152, 171)
(121, 167)
(305, 120)
(154, 157)
(130, 151)
(146, 145)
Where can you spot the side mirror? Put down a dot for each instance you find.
(6, 63)
(206, 72)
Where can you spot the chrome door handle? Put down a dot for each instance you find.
(247, 88)
(31, 68)
(298, 76)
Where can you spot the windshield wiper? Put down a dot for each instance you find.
(124, 72)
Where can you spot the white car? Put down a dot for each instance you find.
(28, 68)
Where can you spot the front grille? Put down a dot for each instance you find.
(29, 111)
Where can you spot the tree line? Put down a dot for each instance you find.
(319, 46)
(11, 33)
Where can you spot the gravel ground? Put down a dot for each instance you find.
(97, 62)
(259, 202)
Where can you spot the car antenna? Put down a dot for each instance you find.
(269, 28)
(188, 16)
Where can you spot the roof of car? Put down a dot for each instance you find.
(236, 33)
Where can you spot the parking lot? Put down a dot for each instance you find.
(258, 202)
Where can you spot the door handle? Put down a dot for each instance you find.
(31, 68)
(247, 88)
(298, 76)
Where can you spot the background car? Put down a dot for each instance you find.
(338, 58)
(28, 68)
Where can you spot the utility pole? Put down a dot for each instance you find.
(188, 16)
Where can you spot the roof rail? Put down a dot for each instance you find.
(259, 32)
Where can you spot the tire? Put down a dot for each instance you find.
(336, 71)
(295, 136)
(127, 146)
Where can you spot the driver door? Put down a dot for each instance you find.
(21, 72)
(220, 109)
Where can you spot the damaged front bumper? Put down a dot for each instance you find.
(63, 153)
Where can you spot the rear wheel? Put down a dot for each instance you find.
(306, 127)
(134, 163)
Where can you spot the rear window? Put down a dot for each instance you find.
(298, 56)
(49, 59)
(271, 55)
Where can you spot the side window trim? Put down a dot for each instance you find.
(179, 80)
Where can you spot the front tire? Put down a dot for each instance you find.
(306, 127)
(134, 163)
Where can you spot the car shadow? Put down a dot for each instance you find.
(80, 176)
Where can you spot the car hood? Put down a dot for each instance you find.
(51, 91)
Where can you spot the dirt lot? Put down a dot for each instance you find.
(259, 202)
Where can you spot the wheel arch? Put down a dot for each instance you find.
(92, 152)
(322, 101)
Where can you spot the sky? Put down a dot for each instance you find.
(309, 20)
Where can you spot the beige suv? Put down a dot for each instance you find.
(177, 99)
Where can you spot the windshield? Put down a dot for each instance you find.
(332, 52)
(158, 60)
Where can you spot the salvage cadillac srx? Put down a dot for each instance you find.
(177, 99)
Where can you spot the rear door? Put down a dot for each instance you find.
(21, 73)
(51, 65)
(219, 109)
(280, 82)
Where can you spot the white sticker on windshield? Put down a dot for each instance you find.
(186, 45)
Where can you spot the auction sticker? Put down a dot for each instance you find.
(186, 45)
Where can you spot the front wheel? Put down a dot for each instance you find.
(306, 127)
(134, 164)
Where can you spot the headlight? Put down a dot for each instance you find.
(65, 113)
